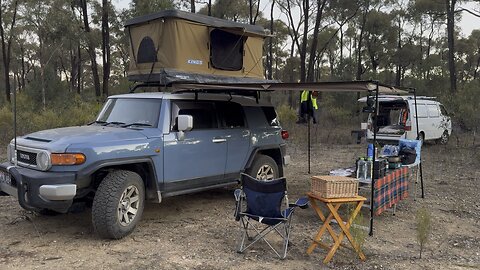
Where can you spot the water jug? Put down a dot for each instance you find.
(361, 168)
(370, 151)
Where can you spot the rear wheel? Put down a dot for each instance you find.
(264, 168)
(118, 204)
(443, 139)
(421, 137)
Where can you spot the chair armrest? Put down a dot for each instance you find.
(301, 202)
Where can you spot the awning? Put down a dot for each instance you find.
(352, 86)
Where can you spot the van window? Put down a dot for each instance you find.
(433, 110)
(443, 110)
(422, 110)
(203, 113)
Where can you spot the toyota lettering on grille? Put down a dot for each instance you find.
(24, 156)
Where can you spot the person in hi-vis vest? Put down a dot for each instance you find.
(308, 108)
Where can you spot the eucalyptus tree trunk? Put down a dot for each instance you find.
(313, 48)
(270, 45)
(450, 6)
(303, 49)
(91, 49)
(360, 42)
(6, 47)
(192, 6)
(105, 47)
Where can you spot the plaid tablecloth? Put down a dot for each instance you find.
(390, 189)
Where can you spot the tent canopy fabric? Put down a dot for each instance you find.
(352, 86)
(176, 46)
(248, 29)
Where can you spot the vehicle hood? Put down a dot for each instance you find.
(59, 139)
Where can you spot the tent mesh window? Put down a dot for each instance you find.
(226, 51)
(146, 51)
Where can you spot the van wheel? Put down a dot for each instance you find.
(421, 137)
(263, 168)
(444, 139)
(118, 204)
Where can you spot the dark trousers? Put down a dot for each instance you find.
(305, 111)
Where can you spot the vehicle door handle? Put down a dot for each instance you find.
(219, 140)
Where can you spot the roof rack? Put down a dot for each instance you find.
(422, 97)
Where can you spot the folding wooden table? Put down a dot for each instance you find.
(333, 205)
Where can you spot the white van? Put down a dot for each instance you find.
(395, 119)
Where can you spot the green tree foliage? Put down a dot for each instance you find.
(142, 7)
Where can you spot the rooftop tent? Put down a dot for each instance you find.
(177, 46)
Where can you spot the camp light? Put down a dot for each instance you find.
(68, 159)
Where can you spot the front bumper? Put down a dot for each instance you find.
(37, 190)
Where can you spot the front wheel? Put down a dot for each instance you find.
(264, 168)
(118, 204)
(443, 139)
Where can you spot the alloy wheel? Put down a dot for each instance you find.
(128, 205)
(265, 173)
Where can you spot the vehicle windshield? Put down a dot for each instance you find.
(130, 112)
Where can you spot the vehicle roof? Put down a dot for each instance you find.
(387, 98)
(243, 100)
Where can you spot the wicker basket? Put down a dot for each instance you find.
(330, 186)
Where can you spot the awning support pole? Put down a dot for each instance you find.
(374, 157)
(418, 137)
(309, 104)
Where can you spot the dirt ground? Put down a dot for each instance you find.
(199, 232)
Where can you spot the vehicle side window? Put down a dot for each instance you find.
(203, 113)
(422, 110)
(443, 110)
(271, 116)
(232, 113)
(433, 110)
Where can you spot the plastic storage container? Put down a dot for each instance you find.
(381, 165)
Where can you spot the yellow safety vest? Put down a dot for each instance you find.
(304, 97)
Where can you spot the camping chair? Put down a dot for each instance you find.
(417, 145)
(259, 209)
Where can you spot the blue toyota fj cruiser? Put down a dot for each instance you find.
(144, 147)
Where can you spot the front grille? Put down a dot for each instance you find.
(27, 157)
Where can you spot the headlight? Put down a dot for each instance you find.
(43, 160)
(11, 153)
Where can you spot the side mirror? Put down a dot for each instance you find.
(185, 122)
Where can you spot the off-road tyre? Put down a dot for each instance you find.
(263, 168)
(444, 139)
(106, 218)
